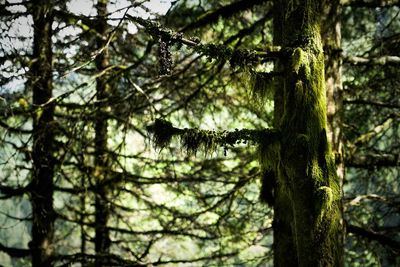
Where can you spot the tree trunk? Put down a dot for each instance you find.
(307, 222)
(42, 187)
(102, 213)
(331, 38)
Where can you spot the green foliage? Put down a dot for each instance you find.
(169, 209)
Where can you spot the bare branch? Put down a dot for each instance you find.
(377, 130)
(370, 3)
(384, 60)
(373, 160)
(372, 103)
(372, 235)
(8, 191)
(15, 252)
(225, 11)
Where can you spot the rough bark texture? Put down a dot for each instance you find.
(102, 213)
(331, 37)
(41, 193)
(307, 222)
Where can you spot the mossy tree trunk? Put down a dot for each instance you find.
(331, 38)
(102, 211)
(307, 222)
(42, 184)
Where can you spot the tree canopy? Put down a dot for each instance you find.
(199, 133)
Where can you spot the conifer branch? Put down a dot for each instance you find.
(373, 160)
(237, 57)
(383, 60)
(15, 252)
(375, 236)
(209, 141)
(370, 3)
(225, 11)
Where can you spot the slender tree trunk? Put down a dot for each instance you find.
(331, 37)
(102, 213)
(283, 238)
(82, 220)
(307, 222)
(43, 214)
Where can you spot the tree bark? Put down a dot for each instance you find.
(102, 212)
(307, 222)
(331, 38)
(42, 185)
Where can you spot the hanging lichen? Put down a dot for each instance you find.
(209, 141)
(164, 55)
(162, 132)
(259, 86)
(262, 85)
(194, 139)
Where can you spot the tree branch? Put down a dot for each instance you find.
(109, 259)
(14, 129)
(193, 139)
(15, 252)
(237, 57)
(205, 258)
(372, 103)
(370, 3)
(393, 202)
(366, 137)
(384, 60)
(372, 160)
(372, 235)
(225, 11)
(8, 191)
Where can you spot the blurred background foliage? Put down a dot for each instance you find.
(167, 207)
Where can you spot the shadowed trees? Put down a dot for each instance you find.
(74, 134)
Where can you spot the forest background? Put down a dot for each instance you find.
(84, 85)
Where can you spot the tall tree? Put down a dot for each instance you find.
(205, 211)
(307, 193)
(42, 183)
(102, 163)
(306, 189)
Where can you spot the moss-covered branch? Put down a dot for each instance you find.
(236, 57)
(194, 139)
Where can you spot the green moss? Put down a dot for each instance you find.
(325, 198)
(194, 139)
(308, 188)
(299, 59)
(237, 57)
(307, 107)
(38, 113)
